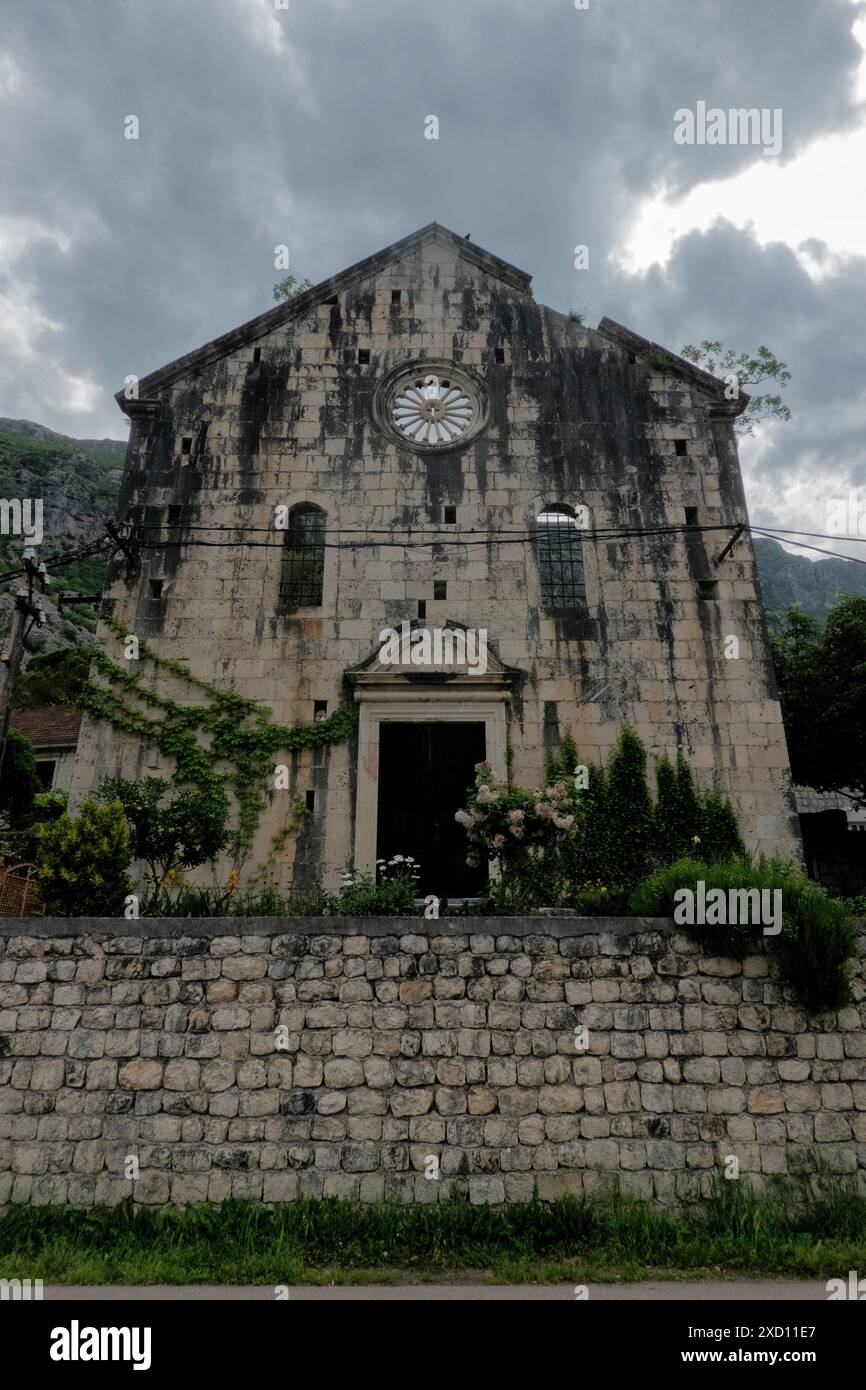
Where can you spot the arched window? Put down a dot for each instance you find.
(560, 560)
(303, 563)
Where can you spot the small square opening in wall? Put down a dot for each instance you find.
(257, 354)
(311, 800)
(632, 359)
(499, 354)
(363, 356)
(320, 709)
(691, 516)
(186, 444)
(422, 608)
(440, 588)
(155, 588)
(175, 514)
(395, 296)
(332, 301)
(450, 516)
(681, 447)
(708, 588)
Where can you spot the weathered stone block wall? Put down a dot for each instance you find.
(403, 1040)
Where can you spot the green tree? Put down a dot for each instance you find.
(54, 678)
(169, 835)
(83, 862)
(667, 834)
(687, 810)
(749, 371)
(289, 288)
(821, 675)
(19, 781)
(691, 822)
(628, 810)
(593, 855)
(564, 762)
(718, 829)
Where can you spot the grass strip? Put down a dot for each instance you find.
(787, 1229)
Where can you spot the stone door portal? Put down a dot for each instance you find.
(425, 770)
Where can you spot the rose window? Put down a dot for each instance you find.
(433, 410)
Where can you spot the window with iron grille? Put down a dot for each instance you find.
(303, 563)
(560, 560)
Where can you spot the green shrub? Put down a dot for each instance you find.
(50, 806)
(393, 896)
(656, 897)
(183, 901)
(818, 938)
(83, 862)
(595, 900)
(19, 781)
(817, 944)
(187, 901)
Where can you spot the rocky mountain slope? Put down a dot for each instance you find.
(787, 579)
(78, 481)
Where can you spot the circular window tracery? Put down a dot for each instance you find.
(433, 409)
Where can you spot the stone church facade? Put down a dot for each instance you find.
(416, 446)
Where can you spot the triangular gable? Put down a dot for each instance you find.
(302, 303)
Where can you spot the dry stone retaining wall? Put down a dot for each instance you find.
(265, 1059)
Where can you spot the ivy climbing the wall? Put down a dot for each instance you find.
(224, 743)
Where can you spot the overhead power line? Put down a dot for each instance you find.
(833, 554)
(817, 535)
(422, 539)
(58, 562)
(412, 538)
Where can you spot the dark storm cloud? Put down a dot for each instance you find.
(261, 127)
(722, 284)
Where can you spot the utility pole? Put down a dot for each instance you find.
(13, 647)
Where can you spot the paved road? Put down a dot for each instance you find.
(766, 1291)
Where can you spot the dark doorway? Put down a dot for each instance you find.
(424, 773)
(45, 769)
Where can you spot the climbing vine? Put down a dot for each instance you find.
(239, 731)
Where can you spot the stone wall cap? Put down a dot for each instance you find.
(332, 926)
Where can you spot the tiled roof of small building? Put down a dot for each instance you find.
(49, 726)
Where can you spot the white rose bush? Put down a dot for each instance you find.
(522, 835)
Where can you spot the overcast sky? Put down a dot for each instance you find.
(305, 126)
